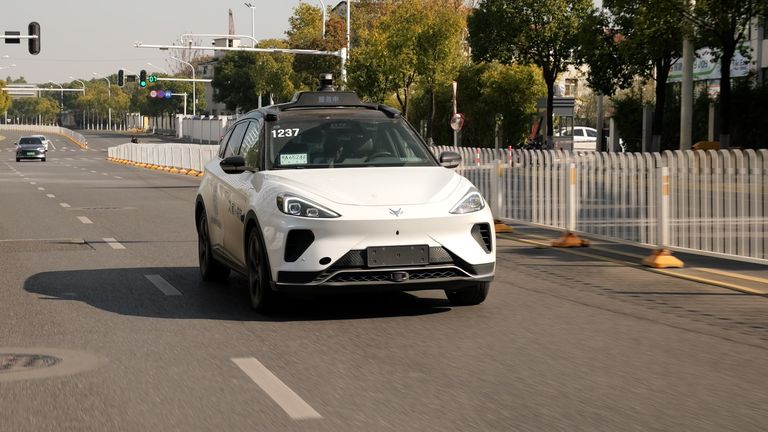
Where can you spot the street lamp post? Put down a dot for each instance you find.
(109, 92)
(194, 84)
(83, 84)
(61, 101)
(325, 15)
(253, 24)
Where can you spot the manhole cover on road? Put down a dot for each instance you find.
(18, 364)
(23, 362)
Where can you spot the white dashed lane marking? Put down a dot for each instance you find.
(118, 177)
(289, 401)
(50, 195)
(84, 220)
(65, 205)
(114, 244)
(163, 285)
(41, 188)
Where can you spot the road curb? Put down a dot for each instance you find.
(170, 170)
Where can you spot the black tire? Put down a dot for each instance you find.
(259, 289)
(18, 160)
(469, 296)
(43, 159)
(210, 269)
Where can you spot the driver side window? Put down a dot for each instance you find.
(223, 143)
(252, 143)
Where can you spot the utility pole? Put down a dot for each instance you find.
(686, 91)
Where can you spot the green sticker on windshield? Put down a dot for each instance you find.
(293, 159)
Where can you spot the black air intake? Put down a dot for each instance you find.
(297, 243)
(482, 235)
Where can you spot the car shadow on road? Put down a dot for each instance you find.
(128, 291)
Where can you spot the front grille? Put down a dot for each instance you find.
(358, 258)
(413, 275)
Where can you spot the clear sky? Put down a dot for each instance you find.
(80, 37)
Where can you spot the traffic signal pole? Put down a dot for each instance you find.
(342, 53)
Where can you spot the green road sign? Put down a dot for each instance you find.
(153, 78)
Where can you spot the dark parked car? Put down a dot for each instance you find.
(30, 147)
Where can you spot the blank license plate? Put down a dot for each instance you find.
(398, 255)
(30, 153)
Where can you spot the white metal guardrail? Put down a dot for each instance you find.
(718, 199)
(74, 136)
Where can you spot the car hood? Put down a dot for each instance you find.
(373, 186)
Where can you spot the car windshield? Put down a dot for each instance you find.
(30, 140)
(341, 140)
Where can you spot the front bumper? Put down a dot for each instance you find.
(334, 258)
(30, 154)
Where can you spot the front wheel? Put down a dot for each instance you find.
(259, 290)
(469, 296)
(210, 269)
(43, 159)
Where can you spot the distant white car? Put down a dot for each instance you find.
(585, 138)
(46, 141)
(327, 193)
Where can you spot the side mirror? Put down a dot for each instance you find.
(450, 159)
(233, 164)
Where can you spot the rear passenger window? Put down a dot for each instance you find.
(223, 143)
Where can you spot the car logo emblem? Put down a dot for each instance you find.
(396, 213)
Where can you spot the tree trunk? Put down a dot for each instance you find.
(662, 73)
(725, 97)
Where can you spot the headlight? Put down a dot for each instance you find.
(470, 203)
(297, 206)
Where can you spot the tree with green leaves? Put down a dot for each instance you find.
(544, 33)
(633, 39)
(486, 90)
(413, 42)
(30, 109)
(5, 100)
(242, 77)
(722, 25)
(305, 32)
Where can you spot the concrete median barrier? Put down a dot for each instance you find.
(186, 159)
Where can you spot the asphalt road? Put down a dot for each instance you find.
(98, 276)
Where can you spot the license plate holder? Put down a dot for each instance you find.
(383, 256)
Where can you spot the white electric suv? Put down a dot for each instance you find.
(328, 194)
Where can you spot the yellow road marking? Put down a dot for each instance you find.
(733, 275)
(713, 282)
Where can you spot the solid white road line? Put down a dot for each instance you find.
(50, 195)
(84, 220)
(65, 205)
(289, 401)
(163, 285)
(114, 244)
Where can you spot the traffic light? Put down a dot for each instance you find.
(120, 78)
(34, 44)
(142, 78)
